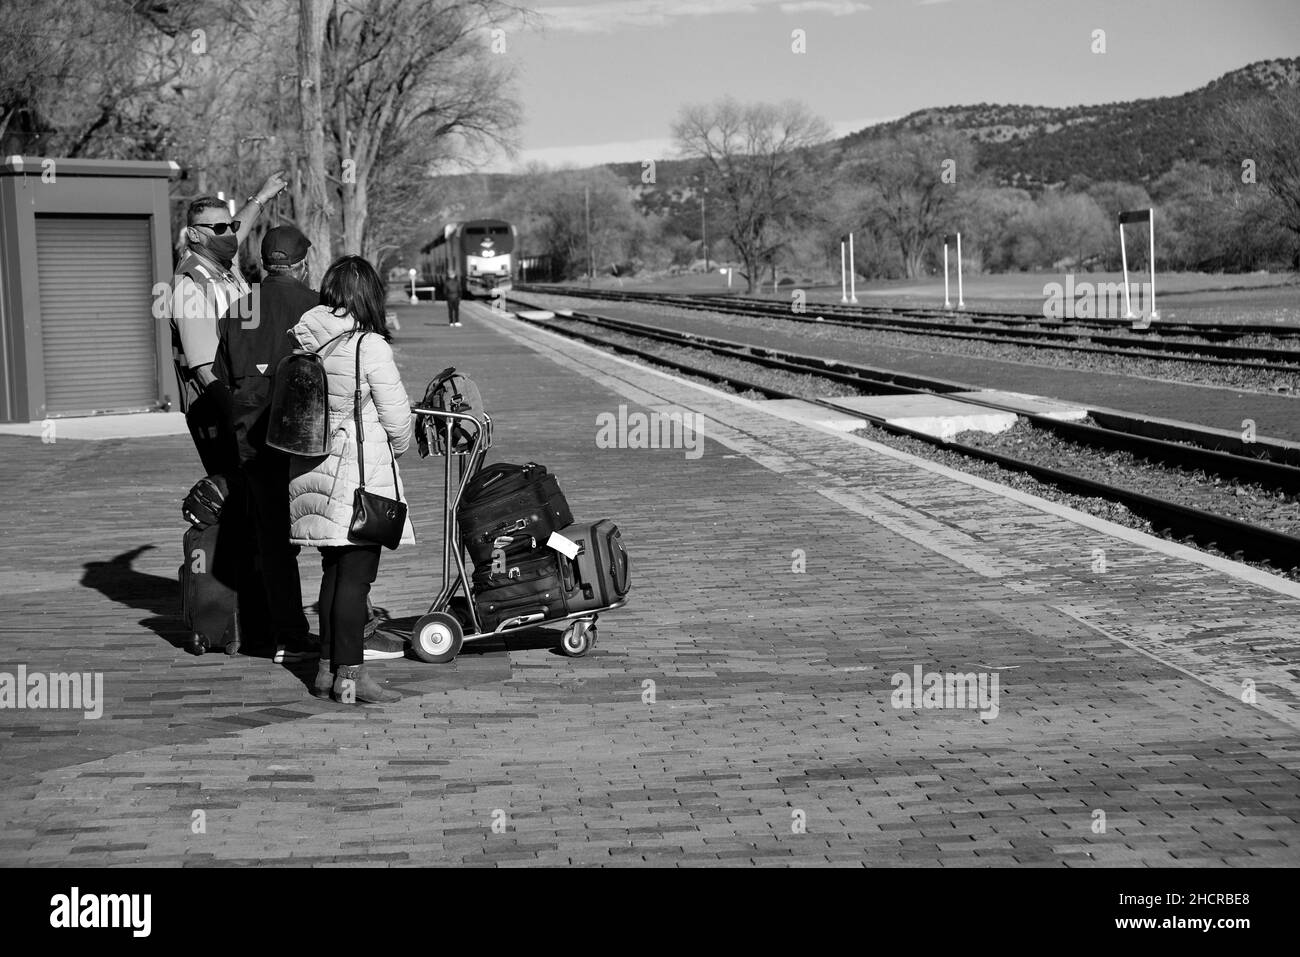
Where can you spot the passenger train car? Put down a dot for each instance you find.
(478, 254)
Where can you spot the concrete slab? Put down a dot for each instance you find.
(931, 414)
(132, 425)
(1033, 404)
(800, 411)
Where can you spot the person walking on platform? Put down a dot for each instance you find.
(322, 491)
(451, 289)
(252, 339)
(205, 284)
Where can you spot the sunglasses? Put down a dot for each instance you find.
(219, 228)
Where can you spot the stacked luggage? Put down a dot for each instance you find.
(209, 573)
(506, 517)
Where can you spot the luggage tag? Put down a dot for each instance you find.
(562, 545)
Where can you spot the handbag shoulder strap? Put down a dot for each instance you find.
(361, 436)
(356, 413)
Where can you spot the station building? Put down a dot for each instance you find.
(82, 245)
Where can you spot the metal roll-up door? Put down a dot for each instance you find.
(97, 326)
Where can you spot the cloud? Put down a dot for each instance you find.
(836, 8)
(606, 16)
(589, 154)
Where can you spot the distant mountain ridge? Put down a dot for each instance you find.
(1033, 147)
(1134, 141)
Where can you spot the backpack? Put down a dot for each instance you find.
(450, 391)
(299, 418)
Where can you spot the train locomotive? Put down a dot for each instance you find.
(478, 254)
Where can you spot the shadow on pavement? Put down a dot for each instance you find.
(117, 580)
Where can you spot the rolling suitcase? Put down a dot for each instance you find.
(598, 575)
(510, 507)
(534, 585)
(209, 602)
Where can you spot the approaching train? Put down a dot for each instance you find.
(478, 254)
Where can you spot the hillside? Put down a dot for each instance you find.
(1135, 141)
(1016, 145)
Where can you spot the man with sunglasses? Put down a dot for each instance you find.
(206, 284)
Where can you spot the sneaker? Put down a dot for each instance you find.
(457, 324)
(380, 646)
(296, 649)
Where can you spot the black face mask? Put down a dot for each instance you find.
(222, 248)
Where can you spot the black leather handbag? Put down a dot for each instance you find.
(375, 518)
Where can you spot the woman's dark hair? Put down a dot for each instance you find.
(352, 287)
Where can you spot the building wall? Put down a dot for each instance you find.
(80, 187)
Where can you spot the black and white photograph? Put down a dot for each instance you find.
(648, 434)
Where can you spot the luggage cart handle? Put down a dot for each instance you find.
(484, 437)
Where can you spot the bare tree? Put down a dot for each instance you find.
(551, 208)
(1260, 137)
(757, 165)
(312, 198)
(912, 183)
(397, 70)
(83, 78)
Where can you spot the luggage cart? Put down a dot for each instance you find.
(438, 636)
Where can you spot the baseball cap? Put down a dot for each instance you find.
(284, 246)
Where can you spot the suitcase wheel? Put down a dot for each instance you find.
(437, 637)
(579, 638)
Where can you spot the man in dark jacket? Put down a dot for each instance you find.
(451, 290)
(253, 338)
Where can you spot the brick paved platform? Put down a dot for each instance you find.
(781, 579)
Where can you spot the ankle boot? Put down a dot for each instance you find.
(324, 682)
(353, 686)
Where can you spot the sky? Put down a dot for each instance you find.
(602, 80)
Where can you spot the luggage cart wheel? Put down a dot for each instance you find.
(578, 639)
(437, 637)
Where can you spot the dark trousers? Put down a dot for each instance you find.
(349, 570)
(453, 311)
(210, 418)
(273, 559)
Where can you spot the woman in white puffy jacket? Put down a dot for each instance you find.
(321, 491)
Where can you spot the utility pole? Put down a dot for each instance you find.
(704, 231)
(590, 266)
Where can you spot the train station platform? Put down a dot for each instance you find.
(784, 688)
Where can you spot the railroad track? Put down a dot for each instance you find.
(992, 328)
(1268, 466)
